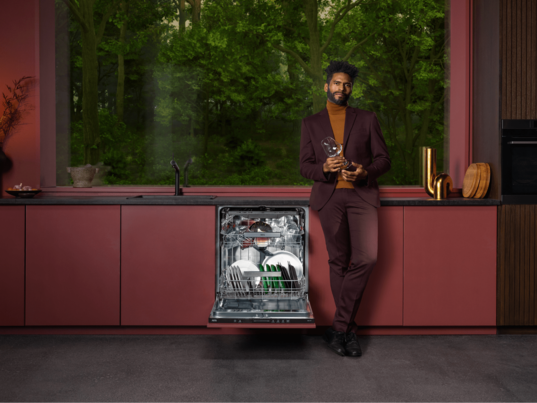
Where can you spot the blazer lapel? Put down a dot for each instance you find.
(350, 117)
(325, 123)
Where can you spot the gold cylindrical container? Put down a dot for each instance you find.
(442, 186)
(428, 169)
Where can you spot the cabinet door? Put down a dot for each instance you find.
(168, 265)
(450, 266)
(72, 265)
(383, 297)
(382, 303)
(12, 266)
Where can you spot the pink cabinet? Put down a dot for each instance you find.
(12, 265)
(168, 265)
(72, 265)
(450, 266)
(382, 303)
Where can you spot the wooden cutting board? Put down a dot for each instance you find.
(484, 180)
(471, 181)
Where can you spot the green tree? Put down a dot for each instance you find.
(84, 12)
(305, 31)
(402, 77)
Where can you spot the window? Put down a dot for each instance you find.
(226, 83)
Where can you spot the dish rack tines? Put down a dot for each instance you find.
(261, 287)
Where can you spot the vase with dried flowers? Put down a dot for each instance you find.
(13, 106)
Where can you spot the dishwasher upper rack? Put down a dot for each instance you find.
(249, 288)
(244, 242)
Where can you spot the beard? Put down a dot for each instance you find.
(341, 102)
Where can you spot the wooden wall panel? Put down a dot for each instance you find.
(518, 49)
(517, 265)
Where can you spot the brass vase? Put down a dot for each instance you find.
(428, 169)
(443, 185)
(436, 185)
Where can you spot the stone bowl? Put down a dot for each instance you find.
(82, 176)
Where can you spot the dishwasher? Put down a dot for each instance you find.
(262, 267)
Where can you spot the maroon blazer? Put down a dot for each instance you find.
(363, 144)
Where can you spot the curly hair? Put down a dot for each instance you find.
(336, 66)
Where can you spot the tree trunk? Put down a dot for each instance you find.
(182, 16)
(205, 127)
(120, 93)
(311, 11)
(196, 10)
(90, 89)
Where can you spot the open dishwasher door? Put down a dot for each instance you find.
(262, 268)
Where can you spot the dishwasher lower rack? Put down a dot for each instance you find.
(254, 286)
(262, 300)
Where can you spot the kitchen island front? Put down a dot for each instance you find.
(124, 265)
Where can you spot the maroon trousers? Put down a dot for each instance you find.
(350, 227)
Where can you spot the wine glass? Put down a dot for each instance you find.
(332, 148)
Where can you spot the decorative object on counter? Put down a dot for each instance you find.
(442, 186)
(484, 181)
(5, 161)
(476, 180)
(100, 174)
(23, 192)
(13, 104)
(428, 169)
(82, 176)
(436, 185)
(471, 181)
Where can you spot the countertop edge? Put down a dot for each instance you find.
(225, 200)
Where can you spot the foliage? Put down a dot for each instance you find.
(229, 86)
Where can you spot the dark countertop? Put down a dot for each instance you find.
(227, 200)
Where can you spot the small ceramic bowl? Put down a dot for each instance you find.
(23, 194)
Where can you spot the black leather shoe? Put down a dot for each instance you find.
(335, 340)
(352, 347)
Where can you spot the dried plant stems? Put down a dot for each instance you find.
(13, 107)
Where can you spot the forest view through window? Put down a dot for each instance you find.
(226, 84)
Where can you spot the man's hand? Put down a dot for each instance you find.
(333, 164)
(351, 176)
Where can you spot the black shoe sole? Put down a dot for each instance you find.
(352, 355)
(341, 353)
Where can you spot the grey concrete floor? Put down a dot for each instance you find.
(266, 368)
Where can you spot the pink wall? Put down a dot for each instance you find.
(459, 104)
(19, 50)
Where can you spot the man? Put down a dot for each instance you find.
(347, 199)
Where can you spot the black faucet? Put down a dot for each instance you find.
(186, 185)
(178, 190)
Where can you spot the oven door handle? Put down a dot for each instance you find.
(522, 142)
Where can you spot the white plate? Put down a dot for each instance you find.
(284, 257)
(246, 265)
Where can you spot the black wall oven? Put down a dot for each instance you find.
(519, 161)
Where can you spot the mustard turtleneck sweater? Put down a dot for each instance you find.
(337, 121)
